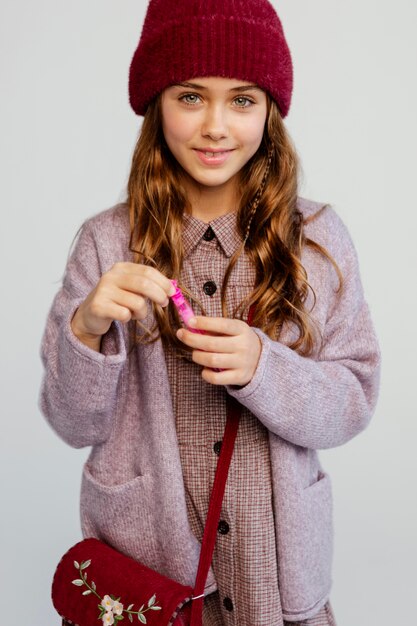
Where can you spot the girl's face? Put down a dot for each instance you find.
(213, 126)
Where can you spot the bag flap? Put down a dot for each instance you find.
(93, 581)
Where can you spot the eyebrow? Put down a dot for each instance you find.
(201, 87)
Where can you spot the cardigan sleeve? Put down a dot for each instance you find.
(324, 401)
(79, 388)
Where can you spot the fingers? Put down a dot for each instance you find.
(207, 343)
(226, 377)
(220, 334)
(228, 352)
(219, 325)
(216, 360)
(121, 294)
(134, 306)
(124, 290)
(142, 280)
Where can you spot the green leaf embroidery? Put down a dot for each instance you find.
(92, 589)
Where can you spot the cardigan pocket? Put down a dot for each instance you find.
(106, 509)
(305, 561)
(140, 518)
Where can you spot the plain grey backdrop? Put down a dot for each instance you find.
(67, 135)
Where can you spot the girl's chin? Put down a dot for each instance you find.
(211, 179)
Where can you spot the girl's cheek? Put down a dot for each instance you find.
(253, 129)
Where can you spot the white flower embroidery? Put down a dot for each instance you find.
(108, 618)
(117, 608)
(108, 604)
(111, 610)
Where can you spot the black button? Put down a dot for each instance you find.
(217, 447)
(209, 234)
(209, 288)
(223, 527)
(228, 604)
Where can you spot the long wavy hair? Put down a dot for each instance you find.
(268, 221)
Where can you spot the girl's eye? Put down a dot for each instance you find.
(243, 101)
(190, 98)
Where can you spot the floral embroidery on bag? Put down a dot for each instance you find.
(111, 609)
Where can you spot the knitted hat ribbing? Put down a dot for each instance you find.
(183, 39)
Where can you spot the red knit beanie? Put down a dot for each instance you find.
(183, 39)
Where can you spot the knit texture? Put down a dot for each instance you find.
(119, 402)
(241, 39)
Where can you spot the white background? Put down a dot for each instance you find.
(67, 135)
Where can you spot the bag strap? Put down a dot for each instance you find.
(234, 412)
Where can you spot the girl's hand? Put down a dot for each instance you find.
(229, 345)
(120, 294)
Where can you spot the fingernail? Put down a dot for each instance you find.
(180, 333)
(192, 322)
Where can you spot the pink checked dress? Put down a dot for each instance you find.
(245, 560)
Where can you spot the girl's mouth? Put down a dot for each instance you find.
(213, 158)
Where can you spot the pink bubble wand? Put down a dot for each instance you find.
(184, 308)
(185, 311)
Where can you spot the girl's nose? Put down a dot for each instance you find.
(215, 123)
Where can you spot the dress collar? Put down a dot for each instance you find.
(224, 228)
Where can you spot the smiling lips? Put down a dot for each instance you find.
(213, 157)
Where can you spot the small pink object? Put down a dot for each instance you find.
(185, 311)
(184, 308)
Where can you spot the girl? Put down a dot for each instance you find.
(212, 202)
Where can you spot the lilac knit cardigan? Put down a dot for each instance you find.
(119, 403)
